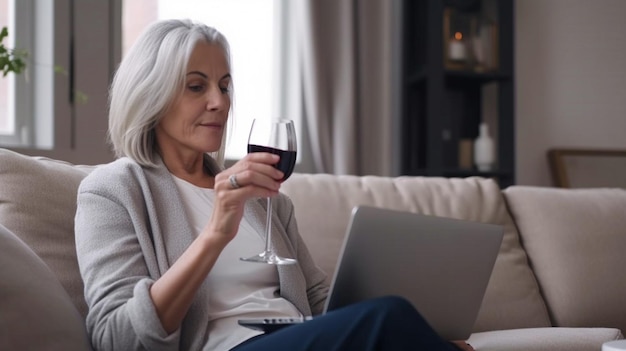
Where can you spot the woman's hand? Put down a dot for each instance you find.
(253, 176)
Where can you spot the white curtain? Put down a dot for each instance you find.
(341, 81)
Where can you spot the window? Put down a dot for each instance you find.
(7, 90)
(26, 99)
(39, 109)
(249, 26)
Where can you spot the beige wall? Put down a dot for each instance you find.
(570, 80)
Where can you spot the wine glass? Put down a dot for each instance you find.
(276, 137)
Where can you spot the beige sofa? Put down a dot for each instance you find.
(558, 282)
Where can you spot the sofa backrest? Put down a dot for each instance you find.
(324, 202)
(38, 204)
(576, 243)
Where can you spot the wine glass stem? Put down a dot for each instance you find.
(268, 226)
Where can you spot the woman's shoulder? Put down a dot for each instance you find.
(112, 175)
(121, 167)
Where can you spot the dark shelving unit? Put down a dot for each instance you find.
(443, 105)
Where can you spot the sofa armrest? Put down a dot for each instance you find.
(544, 339)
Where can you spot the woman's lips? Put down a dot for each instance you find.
(211, 125)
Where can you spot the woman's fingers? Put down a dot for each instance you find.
(262, 162)
(244, 185)
(255, 170)
(253, 176)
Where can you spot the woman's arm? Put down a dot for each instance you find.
(132, 301)
(174, 292)
(116, 274)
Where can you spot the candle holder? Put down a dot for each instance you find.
(470, 38)
(456, 39)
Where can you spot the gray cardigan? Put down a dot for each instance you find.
(131, 227)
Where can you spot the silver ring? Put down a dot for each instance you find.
(233, 181)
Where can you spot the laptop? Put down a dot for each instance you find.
(441, 265)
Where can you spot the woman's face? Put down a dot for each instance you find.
(195, 121)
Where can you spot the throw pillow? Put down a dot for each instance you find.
(575, 240)
(36, 312)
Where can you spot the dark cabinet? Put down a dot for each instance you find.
(458, 73)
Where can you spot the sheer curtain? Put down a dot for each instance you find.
(342, 83)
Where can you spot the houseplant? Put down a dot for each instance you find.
(14, 60)
(11, 60)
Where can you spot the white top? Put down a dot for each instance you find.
(238, 289)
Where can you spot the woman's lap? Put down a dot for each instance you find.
(388, 323)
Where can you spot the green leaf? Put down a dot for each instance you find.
(10, 60)
(4, 33)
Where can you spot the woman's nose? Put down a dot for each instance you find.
(216, 99)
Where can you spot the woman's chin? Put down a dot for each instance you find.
(211, 148)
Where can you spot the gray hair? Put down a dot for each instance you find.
(148, 80)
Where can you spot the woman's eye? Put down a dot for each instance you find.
(225, 90)
(196, 88)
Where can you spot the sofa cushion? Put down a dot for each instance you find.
(544, 339)
(36, 313)
(323, 204)
(585, 288)
(38, 204)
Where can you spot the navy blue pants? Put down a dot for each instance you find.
(386, 323)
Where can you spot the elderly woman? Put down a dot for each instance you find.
(159, 231)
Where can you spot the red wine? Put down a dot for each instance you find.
(287, 158)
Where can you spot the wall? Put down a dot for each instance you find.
(570, 91)
(570, 80)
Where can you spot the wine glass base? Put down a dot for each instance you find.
(269, 258)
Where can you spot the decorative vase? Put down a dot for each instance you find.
(484, 155)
